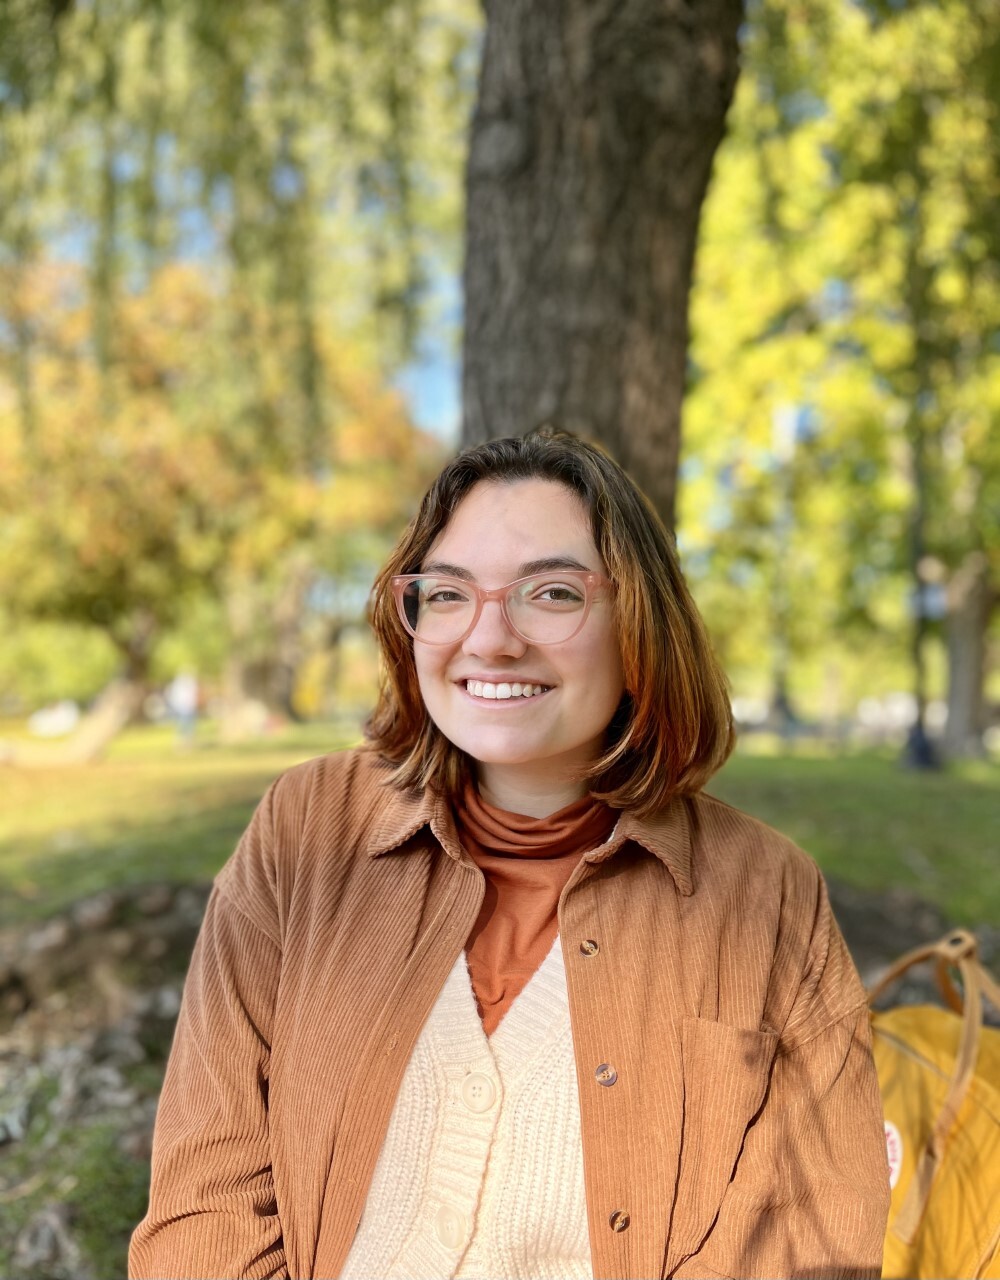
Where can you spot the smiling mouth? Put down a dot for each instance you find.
(502, 691)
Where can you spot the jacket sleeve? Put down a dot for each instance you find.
(809, 1196)
(212, 1209)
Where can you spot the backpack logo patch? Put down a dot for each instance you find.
(894, 1150)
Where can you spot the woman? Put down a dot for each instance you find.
(504, 993)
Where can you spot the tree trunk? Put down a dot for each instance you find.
(923, 437)
(241, 716)
(118, 705)
(592, 143)
(288, 611)
(970, 603)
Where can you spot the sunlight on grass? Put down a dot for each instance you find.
(870, 822)
(148, 812)
(153, 812)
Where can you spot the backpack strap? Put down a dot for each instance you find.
(958, 949)
(947, 950)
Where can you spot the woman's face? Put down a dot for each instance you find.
(496, 535)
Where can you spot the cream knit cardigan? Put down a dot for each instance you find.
(481, 1171)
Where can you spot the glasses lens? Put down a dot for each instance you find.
(548, 610)
(543, 610)
(438, 610)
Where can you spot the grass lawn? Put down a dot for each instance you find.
(873, 824)
(149, 812)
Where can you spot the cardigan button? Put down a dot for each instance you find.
(478, 1092)
(619, 1220)
(588, 947)
(450, 1225)
(606, 1075)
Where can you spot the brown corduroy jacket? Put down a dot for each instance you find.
(742, 1137)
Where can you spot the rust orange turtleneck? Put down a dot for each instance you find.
(526, 862)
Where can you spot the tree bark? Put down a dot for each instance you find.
(970, 604)
(592, 143)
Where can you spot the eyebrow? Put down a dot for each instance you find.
(526, 570)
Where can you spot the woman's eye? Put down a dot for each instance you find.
(445, 595)
(557, 593)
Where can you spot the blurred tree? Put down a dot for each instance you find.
(130, 526)
(920, 164)
(591, 147)
(219, 225)
(848, 285)
(28, 49)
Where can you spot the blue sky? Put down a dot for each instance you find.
(431, 387)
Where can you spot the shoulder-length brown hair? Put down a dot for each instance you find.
(673, 728)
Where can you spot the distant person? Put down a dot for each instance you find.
(181, 696)
(503, 993)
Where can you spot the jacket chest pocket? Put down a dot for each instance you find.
(725, 1073)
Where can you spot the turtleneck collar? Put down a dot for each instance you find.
(578, 827)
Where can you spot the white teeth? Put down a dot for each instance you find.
(485, 689)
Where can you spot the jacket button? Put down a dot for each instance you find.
(606, 1075)
(619, 1220)
(588, 947)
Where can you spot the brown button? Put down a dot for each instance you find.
(619, 1220)
(606, 1074)
(589, 947)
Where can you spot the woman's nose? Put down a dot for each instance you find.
(493, 634)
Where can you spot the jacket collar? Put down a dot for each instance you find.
(404, 813)
(665, 834)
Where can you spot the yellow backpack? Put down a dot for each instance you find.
(939, 1073)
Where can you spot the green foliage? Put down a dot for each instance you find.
(217, 226)
(216, 223)
(844, 318)
(43, 662)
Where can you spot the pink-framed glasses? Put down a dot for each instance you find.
(545, 608)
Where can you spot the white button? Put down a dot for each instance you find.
(478, 1092)
(450, 1227)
